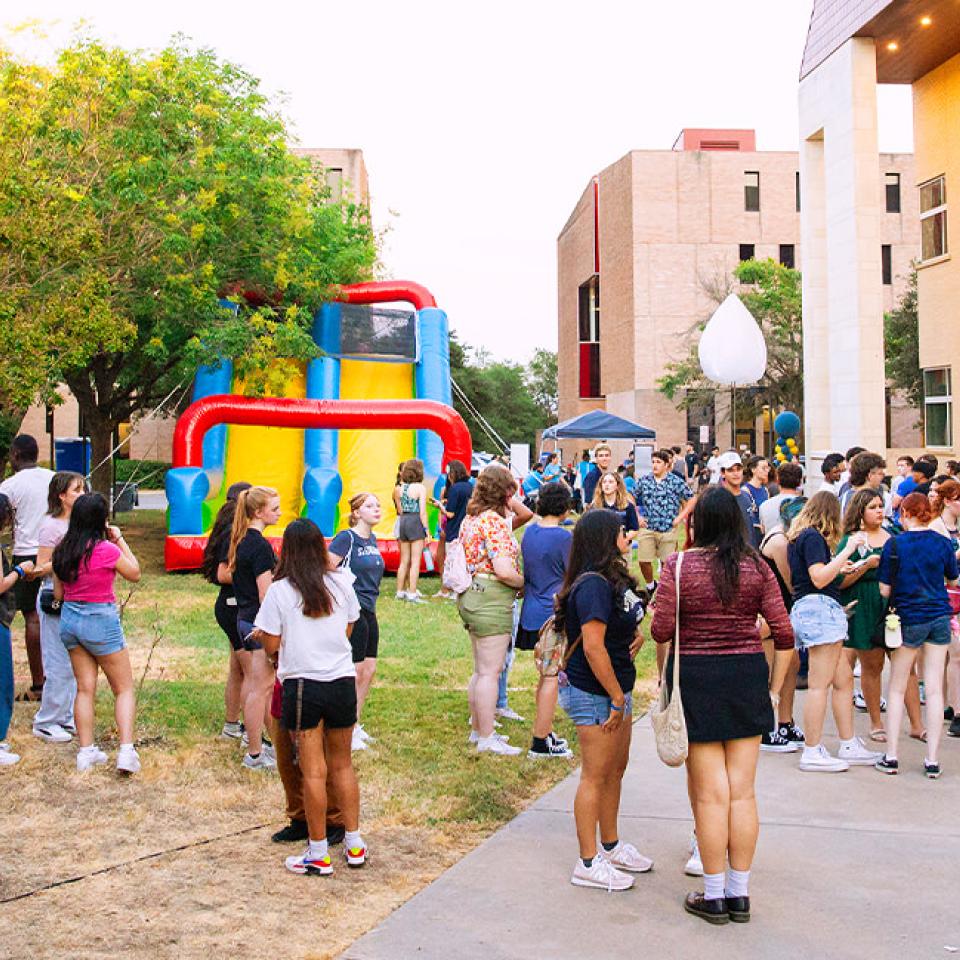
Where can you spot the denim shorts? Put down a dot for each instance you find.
(932, 631)
(93, 626)
(817, 619)
(590, 709)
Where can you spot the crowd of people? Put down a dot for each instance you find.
(781, 588)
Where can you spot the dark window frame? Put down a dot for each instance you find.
(751, 191)
(892, 192)
(886, 264)
(750, 249)
(788, 255)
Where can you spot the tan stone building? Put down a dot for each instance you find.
(151, 437)
(652, 233)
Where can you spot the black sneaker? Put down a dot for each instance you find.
(774, 741)
(739, 909)
(554, 751)
(295, 830)
(801, 682)
(887, 766)
(558, 741)
(932, 770)
(948, 715)
(335, 834)
(954, 729)
(713, 911)
(792, 732)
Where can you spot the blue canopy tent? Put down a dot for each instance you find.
(598, 425)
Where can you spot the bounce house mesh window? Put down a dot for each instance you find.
(378, 333)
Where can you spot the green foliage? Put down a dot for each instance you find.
(901, 336)
(515, 400)
(771, 292)
(146, 473)
(137, 189)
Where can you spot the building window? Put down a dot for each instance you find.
(589, 337)
(886, 260)
(893, 192)
(938, 407)
(751, 191)
(797, 188)
(334, 178)
(788, 255)
(933, 219)
(747, 251)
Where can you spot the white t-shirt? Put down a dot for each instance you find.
(28, 490)
(713, 465)
(770, 512)
(311, 648)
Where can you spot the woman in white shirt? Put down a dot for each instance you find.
(306, 619)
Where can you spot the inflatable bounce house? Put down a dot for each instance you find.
(378, 395)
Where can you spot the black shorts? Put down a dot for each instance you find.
(365, 639)
(226, 615)
(244, 629)
(25, 592)
(308, 703)
(526, 639)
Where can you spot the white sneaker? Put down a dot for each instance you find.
(7, 757)
(53, 733)
(364, 736)
(263, 762)
(601, 874)
(400, 595)
(856, 754)
(232, 731)
(508, 714)
(88, 757)
(818, 760)
(417, 597)
(494, 744)
(128, 760)
(475, 737)
(694, 866)
(356, 741)
(625, 856)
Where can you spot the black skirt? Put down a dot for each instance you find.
(725, 696)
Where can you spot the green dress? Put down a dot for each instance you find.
(865, 627)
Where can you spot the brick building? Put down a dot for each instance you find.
(151, 437)
(652, 232)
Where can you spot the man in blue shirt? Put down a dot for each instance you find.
(602, 456)
(660, 497)
(731, 473)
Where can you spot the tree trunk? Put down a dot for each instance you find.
(101, 461)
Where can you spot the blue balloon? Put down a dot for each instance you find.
(787, 424)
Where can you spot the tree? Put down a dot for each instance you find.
(541, 378)
(137, 190)
(771, 292)
(901, 336)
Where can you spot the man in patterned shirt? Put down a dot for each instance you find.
(663, 500)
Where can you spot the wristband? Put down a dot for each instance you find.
(18, 570)
(619, 709)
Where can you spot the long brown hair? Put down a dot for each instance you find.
(492, 491)
(60, 483)
(853, 515)
(821, 513)
(621, 499)
(249, 504)
(303, 562)
(946, 490)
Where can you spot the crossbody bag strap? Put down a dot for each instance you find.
(676, 631)
(894, 564)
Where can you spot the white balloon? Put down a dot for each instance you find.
(731, 347)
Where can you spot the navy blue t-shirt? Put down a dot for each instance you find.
(628, 516)
(809, 548)
(593, 598)
(751, 517)
(590, 481)
(545, 551)
(923, 560)
(457, 499)
(362, 557)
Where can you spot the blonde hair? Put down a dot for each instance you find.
(622, 497)
(356, 502)
(249, 504)
(821, 513)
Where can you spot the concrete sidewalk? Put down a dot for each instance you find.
(855, 865)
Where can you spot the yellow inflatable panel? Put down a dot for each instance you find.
(270, 457)
(368, 459)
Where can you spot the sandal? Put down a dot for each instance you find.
(922, 736)
(30, 695)
(879, 735)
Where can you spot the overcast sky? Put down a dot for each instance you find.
(481, 124)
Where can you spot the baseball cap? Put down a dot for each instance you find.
(729, 459)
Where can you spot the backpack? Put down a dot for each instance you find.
(552, 651)
(456, 577)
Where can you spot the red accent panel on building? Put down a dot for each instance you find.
(695, 138)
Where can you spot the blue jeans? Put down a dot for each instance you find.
(502, 703)
(936, 631)
(587, 709)
(93, 626)
(6, 681)
(59, 685)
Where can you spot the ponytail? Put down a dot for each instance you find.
(249, 503)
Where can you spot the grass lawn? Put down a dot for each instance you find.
(187, 865)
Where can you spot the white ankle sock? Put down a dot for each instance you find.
(318, 849)
(713, 886)
(126, 746)
(352, 838)
(738, 882)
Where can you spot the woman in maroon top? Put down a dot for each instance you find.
(728, 693)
